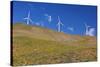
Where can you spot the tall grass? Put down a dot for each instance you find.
(30, 51)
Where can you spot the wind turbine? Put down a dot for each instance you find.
(28, 19)
(87, 29)
(59, 24)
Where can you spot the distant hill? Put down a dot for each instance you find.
(47, 34)
(38, 45)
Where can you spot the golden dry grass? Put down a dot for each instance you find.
(32, 49)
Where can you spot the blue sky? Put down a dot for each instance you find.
(74, 17)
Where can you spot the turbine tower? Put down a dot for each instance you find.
(28, 19)
(87, 29)
(59, 24)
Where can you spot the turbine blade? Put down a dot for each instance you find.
(31, 20)
(58, 18)
(61, 23)
(26, 18)
(28, 14)
(85, 24)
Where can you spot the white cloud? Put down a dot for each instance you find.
(91, 32)
(38, 24)
(42, 24)
(70, 28)
(45, 14)
(48, 17)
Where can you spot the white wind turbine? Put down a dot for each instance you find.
(87, 29)
(59, 24)
(28, 19)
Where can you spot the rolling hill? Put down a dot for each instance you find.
(38, 45)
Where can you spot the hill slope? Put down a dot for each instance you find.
(37, 45)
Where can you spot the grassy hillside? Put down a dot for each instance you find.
(37, 45)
